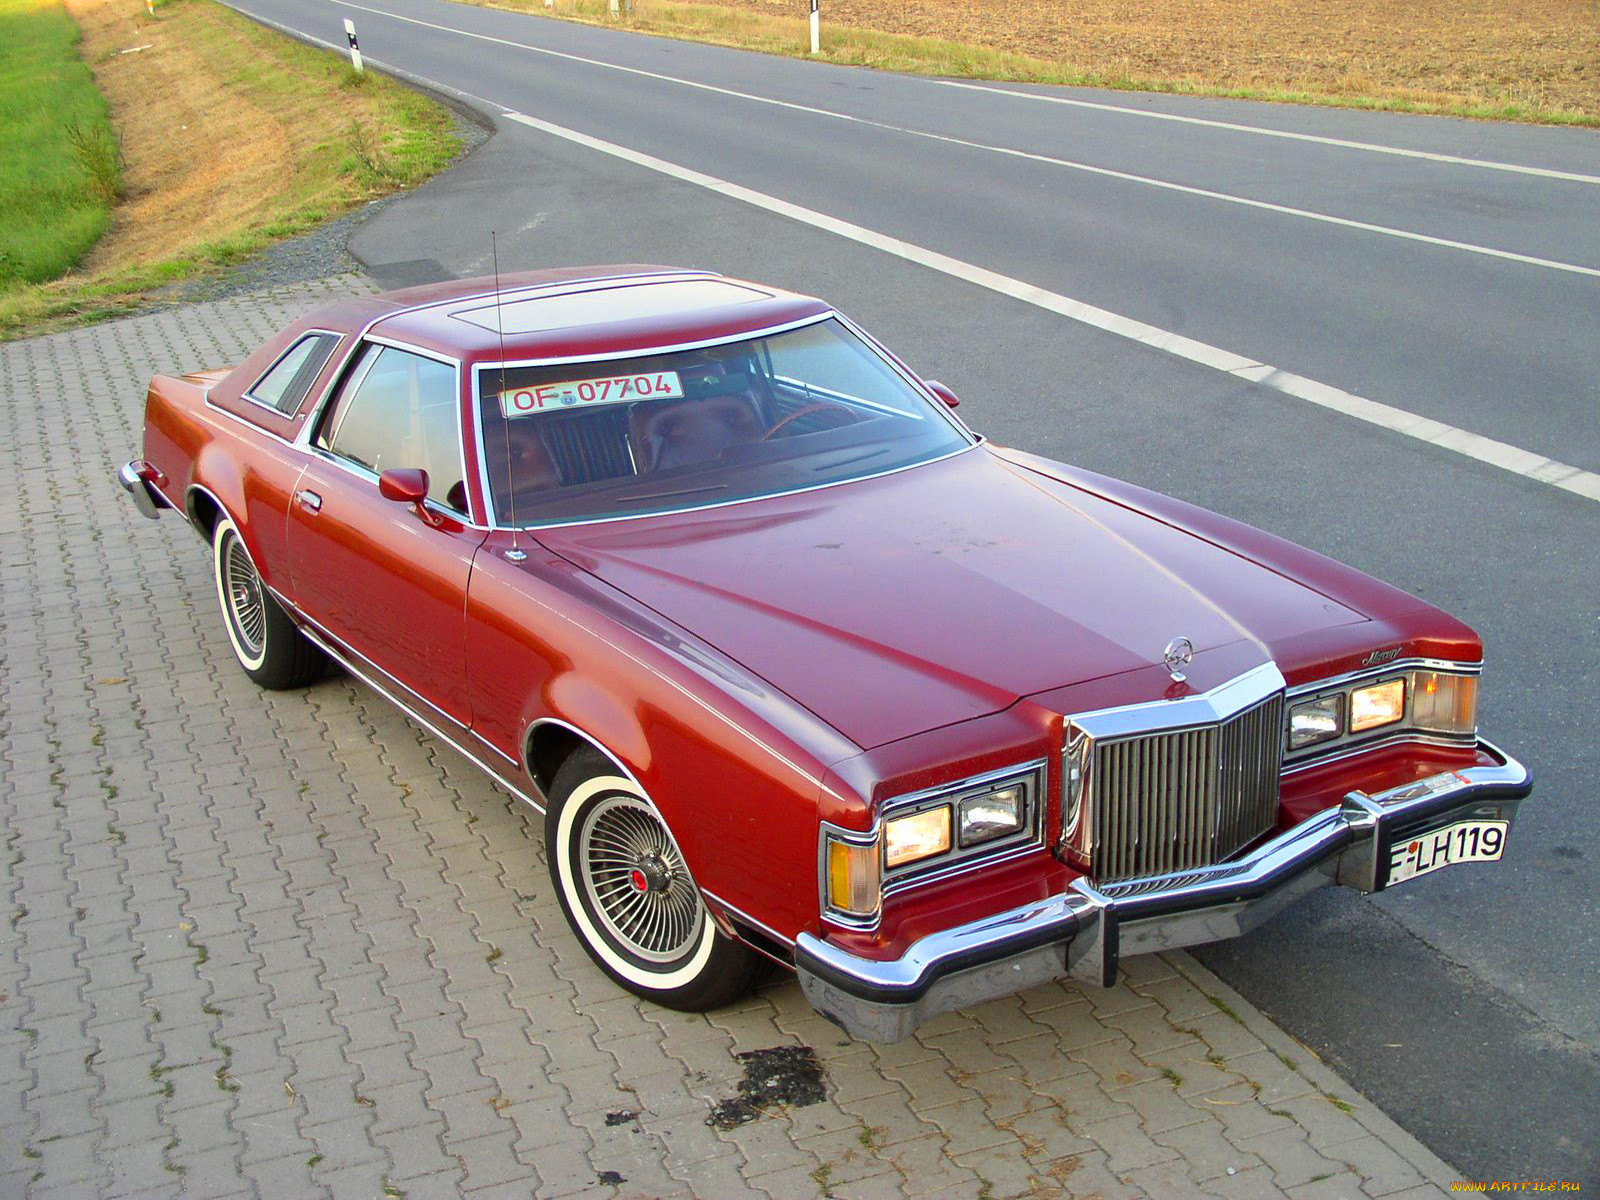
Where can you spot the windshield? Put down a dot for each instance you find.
(663, 432)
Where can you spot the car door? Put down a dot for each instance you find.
(386, 581)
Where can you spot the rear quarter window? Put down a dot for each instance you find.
(287, 381)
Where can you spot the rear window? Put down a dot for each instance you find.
(285, 385)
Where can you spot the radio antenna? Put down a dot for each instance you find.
(514, 554)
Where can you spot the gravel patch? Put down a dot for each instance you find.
(311, 256)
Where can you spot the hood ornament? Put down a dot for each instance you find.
(1178, 655)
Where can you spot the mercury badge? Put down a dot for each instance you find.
(1178, 655)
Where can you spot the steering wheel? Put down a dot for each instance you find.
(804, 411)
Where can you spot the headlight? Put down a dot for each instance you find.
(992, 815)
(924, 836)
(1377, 705)
(918, 836)
(1444, 703)
(855, 880)
(1318, 720)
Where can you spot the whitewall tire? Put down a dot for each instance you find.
(265, 641)
(628, 893)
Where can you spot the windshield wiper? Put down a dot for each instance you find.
(832, 466)
(643, 497)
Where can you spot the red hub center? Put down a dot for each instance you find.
(639, 880)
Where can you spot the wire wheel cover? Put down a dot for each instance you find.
(636, 881)
(243, 588)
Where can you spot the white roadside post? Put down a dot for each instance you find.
(816, 29)
(614, 8)
(355, 47)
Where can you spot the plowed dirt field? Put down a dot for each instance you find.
(1541, 54)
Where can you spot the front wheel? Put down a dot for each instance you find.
(628, 894)
(264, 639)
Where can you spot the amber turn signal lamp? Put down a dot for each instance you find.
(1445, 703)
(854, 877)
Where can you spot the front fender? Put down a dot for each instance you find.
(735, 769)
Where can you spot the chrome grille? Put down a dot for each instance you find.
(1174, 801)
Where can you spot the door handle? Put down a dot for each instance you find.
(309, 500)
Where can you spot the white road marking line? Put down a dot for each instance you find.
(1268, 206)
(1487, 450)
(1371, 147)
(1069, 164)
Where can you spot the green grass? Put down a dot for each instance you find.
(375, 136)
(59, 165)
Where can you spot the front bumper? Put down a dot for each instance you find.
(1083, 933)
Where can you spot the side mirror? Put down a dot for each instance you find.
(944, 393)
(407, 485)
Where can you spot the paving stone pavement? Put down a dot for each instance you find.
(285, 945)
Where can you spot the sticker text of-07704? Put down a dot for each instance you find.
(616, 389)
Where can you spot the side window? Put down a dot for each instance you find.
(403, 412)
(291, 377)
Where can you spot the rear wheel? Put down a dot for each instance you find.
(629, 896)
(264, 639)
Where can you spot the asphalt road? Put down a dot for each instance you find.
(1449, 289)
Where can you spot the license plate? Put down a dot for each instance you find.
(616, 389)
(1465, 841)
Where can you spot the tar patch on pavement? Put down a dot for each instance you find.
(612, 1177)
(783, 1075)
(621, 1118)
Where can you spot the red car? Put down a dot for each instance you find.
(796, 666)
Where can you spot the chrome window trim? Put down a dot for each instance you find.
(558, 360)
(569, 287)
(587, 287)
(522, 290)
(250, 425)
(483, 462)
(249, 392)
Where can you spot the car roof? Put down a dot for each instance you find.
(585, 311)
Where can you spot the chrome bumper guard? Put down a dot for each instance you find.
(1083, 933)
(146, 499)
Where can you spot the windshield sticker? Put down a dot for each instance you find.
(619, 389)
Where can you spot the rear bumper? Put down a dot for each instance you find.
(1084, 932)
(146, 498)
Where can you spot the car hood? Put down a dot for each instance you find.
(894, 605)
